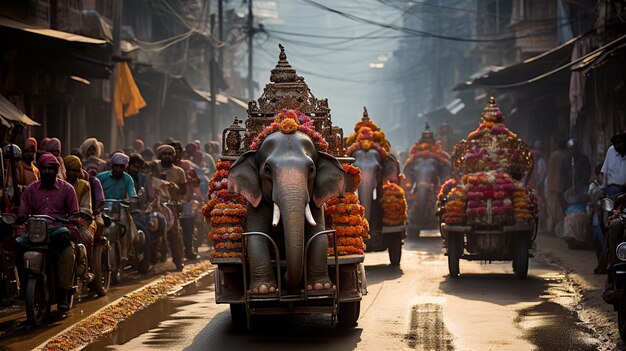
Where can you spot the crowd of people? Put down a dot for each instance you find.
(57, 185)
(571, 197)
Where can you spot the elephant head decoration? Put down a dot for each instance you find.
(370, 149)
(426, 169)
(286, 181)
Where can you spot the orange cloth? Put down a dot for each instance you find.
(126, 94)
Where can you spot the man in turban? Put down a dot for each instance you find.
(119, 185)
(92, 152)
(175, 175)
(56, 198)
(74, 167)
(53, 146)
(27, 172)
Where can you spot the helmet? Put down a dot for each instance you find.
(11, 151)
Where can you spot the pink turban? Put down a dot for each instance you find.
(119, 158)
(48, 159)
(53, 144)
(30, 142)
(139, 145)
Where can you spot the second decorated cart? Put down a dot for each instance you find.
(487, 212)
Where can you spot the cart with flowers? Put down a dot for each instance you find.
(286, 103)
(487, 212)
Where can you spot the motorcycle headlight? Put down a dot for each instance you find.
(37, 231)
(621, 251)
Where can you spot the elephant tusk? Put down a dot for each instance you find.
(374, 195)
(309, 215)
(276, 217)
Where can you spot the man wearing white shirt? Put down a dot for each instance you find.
(614, 167)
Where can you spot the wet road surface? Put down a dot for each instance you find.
(412, 307)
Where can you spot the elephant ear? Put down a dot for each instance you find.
(329, 181)
(391, 169)
(243, 178)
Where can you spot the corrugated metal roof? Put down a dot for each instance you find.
(10, 112)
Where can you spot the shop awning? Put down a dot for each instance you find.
(9, 112)
(52, 33)
(57, 52)
(546, 65)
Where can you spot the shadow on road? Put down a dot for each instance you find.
(382, 272)
(310, 332)
(501, 289)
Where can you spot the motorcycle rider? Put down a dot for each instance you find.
(142, 181)
(614, 187)
(54, 197)
(175, 175)
(73, 168)
(119, 185)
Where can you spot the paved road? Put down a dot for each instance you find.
(414, 307)
(16, 334)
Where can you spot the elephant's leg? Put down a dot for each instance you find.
(262, 280)
(317, 275)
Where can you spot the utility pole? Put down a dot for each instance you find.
(220, 33)
(250, 36)
(213, 86)
(117, 52)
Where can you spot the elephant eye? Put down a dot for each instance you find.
(267, 170)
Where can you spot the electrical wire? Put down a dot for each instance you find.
(421, 32)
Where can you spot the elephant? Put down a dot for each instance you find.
(286, 181)
(425, 176)
(375, 171)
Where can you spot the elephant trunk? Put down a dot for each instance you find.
(366, 192)
(292, 201)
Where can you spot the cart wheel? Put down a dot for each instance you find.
(349, 314)
(520, 261)
(238, 314)
(455, 246)
(394, 246)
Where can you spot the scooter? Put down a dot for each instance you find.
(122, 224)
(40, 266)
(619, 269)
(9, 279)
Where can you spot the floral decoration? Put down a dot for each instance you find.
(366, 136)
(347, 217)
(427, 150)
(394, 205)
(288, 122)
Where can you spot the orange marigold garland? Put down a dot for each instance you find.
(288, 122)
(394, 205)
(347, 217)
(227, 214)
(366, 136)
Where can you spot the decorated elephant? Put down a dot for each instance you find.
(427, 167)
(286, 178)
(378, 167)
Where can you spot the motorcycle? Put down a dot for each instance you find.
(121, 223)
(99, 265)
(39, 263)
(9, 279)
(619, 269)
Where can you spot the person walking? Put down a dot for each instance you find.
(554, 187)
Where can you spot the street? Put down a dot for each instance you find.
(415, 307)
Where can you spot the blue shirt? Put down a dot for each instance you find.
(119, 188)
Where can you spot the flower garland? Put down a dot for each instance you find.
(347, 217)
(455, 206)
(366, 136)
(524, 203)
(489, 197)
(427, 150)
(394, 205)
(288, 122)
(227, 214)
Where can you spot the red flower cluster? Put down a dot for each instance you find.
(427, 150)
